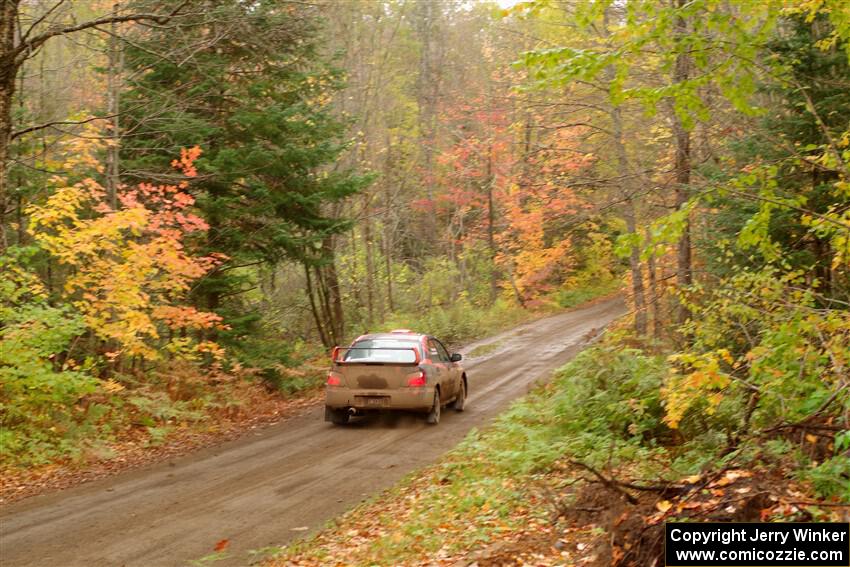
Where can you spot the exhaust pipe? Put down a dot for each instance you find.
(352, 411)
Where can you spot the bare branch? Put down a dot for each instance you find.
(786, 205)
(41, 18)
(28, 46)
(19, 133)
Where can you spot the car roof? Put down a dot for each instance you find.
(399, 336)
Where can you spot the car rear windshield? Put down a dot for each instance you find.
(382, 350)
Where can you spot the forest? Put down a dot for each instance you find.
(199, 199)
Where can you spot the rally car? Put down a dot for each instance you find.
(399, 370)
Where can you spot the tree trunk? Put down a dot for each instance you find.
(8, 73)
(113, 93)
(334, 296)
(370, 266)
(18, 199)
(517, 293)
(624, 171)
(491, 230)
(389, 269)
(212, 295)
(325, 305)
(629, 214)
(654, 299)
(356, 283)
(681, 73)
(320, 326)
(387, 235)
(427, 90)
(638, 293)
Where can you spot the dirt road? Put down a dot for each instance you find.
(282, 482)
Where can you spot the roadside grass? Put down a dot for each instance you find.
(567, 298)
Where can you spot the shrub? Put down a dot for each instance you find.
(39, 386)
(604, 407)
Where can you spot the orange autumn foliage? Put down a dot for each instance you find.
(537, 209)
(129, 270)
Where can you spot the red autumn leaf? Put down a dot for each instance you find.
(222, 545)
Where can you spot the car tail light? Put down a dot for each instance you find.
(333, 379)
(417, 380)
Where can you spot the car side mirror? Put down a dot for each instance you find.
(456, 357)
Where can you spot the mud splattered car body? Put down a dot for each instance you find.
(400, 370)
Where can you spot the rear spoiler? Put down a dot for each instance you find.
(338, 352)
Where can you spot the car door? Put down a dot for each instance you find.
(442, 365)
(452, 373)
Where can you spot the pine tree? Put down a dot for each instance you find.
(249, 86)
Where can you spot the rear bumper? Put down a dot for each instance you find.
(420, 399)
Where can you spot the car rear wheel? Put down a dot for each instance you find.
(460, 400)
(339, 416)
(434, 415)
